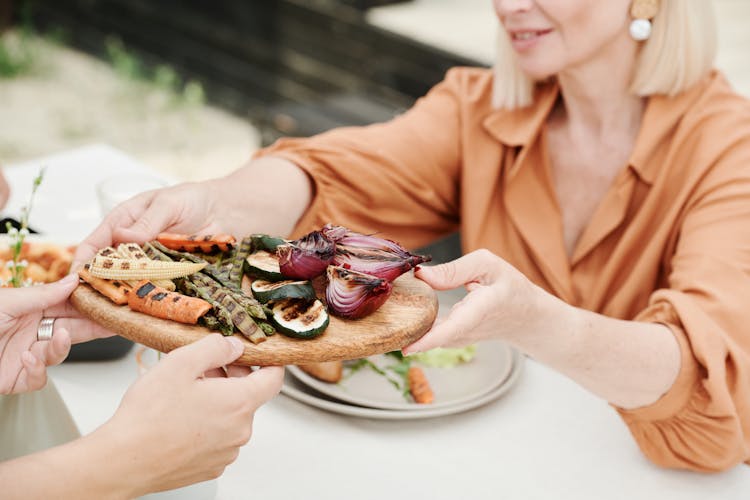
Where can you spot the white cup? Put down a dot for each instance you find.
(114, 190)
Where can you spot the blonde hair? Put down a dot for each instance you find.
(680, 51)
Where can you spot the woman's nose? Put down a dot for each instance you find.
(509, 7)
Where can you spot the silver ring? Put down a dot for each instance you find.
(44, 332)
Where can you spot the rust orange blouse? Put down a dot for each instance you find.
(669, 243)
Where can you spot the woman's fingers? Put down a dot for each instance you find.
(152, 221)
(212, 351)
(264, 384)
(80, 329)
(33, 376)
(26, 300)
(476, 267)
(238, 371)
(463, 325)
(215, 373)
(123, 215)
(53, 352)
(141, 214)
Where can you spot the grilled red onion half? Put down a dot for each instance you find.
(307, 257)
(371, 255)
(354, 295)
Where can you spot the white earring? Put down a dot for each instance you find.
(640, 29)
(642, 11)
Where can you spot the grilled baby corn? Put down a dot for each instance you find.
(133, 251)
(113, 268)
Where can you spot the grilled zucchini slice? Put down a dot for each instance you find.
(264, 265)
(299, 319)
(266, 291)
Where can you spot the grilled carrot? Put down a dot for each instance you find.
(209, 243)
(161, 303)
(114, 290)
(419, 386)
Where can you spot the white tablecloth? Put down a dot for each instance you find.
(546, 439)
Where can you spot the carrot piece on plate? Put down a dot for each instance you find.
(161, 303)
(208, 243)
(114, 290)
(419, 386)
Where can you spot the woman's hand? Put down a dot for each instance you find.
(23, 358)
(268, 195)
(587, 347)
(189, 208)
(176, 426)
(501, 304)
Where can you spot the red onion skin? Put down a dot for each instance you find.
(370, 254)
(307, 257)
(295, 264)
(382, 264)
(377, 269)
(369, 293)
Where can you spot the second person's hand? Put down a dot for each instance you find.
(189, 426)
(23, 358)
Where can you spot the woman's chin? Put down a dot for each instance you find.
(538, 73)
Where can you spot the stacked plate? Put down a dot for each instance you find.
(491, 373)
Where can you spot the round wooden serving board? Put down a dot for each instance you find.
(407, 315)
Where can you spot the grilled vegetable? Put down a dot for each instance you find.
(267, 328)
(213, 323)
(419, 387)
(307, 257)
(371, 255)
(252, 306)
(353, 295)
(240, 317)
(176, 254)
(265, 242)
(134, 251)
(264, 265)
(223, 318)
(300, 319)
(126, 269)
(238, 261)
(154, 301)
(116, 291)
(195, 243)
(266, 291)
(131, 251)
(155, 254)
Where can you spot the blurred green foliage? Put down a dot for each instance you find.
(129, 66)
(18, 54)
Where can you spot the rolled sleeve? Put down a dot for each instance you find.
(400, 178)
(703, 421)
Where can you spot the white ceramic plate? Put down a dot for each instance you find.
(294, 389)
(451, 386)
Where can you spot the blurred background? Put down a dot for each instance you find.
(192, 88)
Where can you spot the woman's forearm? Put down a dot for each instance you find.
(628, 363)
(267, 195)
(94, 466)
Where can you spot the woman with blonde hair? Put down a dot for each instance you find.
(600, 178)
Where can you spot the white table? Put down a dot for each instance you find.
(546, 439)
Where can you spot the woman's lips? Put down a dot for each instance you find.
(526, 39)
